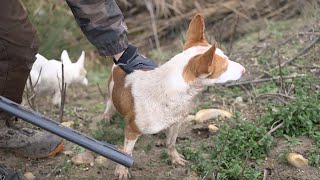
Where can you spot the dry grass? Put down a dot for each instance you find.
(220, 15)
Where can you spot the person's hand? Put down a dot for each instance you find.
(130, 60)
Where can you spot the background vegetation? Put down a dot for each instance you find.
(262, 35)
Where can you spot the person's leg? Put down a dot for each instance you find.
(18, 46)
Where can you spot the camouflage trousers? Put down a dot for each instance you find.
(18, 46)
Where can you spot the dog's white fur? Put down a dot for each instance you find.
(46, 75)
(162, 97)
(164, 94)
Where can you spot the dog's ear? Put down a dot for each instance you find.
(40, 57)
(202, 64)
(65, 59)
(207, 59)
(195, 33)
(80, 61)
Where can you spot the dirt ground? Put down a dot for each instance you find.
(85, 107)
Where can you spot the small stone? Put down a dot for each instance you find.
(68, 153)
(297, 160)
(212, 128)
(190, 117)
(83, 158)
(68, 123)
(29, 176)
(102, 161)
(92, 164)
(190, 178)
(206, 114)
(238, 100)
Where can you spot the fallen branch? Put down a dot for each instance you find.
(263, 80)
(153, 23)
(104, 95)
(309, 33)
(265, 173)
(305, 50)
(276, 94)
(273, 129)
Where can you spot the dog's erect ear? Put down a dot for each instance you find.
(206, 60)
(40, 57)
(65, 59)
(80, 61)
(200, 65)
(195, 33)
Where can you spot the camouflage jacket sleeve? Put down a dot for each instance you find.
(102, 23)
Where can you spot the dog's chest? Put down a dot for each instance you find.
(158, 104)
(154, 115)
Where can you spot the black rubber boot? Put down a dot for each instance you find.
(10, 174)
(27, 142)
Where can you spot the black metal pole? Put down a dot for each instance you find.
(104, 149)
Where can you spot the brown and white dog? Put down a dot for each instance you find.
(152, 101)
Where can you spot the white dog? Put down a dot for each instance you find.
(46, 75)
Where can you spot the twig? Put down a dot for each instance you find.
(28, 94)
(265, 173)
(263, 80)
(306, 49)
(153, 23)
(31, 99)
(309, 33)
(276, 94)
(234, 30)
(100, 91)
(55, 168)
(280, 72)
(77, 115)
(249, 94)
(275, 128)
(63, 90)
(278, 97)
(205, 175)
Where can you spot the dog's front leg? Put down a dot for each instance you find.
(56, 100)
(176, 158)
(130, 140)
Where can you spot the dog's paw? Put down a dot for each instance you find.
(177, 158)
(122, 172)
(107, 117)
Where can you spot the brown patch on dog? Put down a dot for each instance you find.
(123, 102)
(195, 33)
(207, 63)
(219, 66)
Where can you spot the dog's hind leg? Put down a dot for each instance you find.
(176, 158)
(131, 138)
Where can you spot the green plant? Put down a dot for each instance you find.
(111, 132)
(299, 117)
(233, 149)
